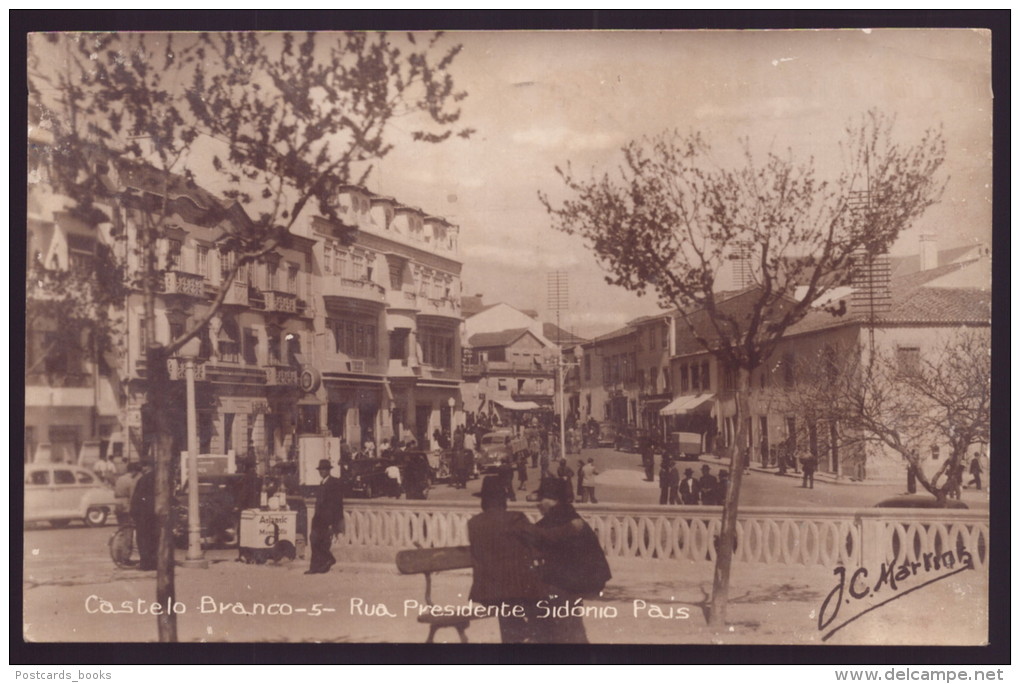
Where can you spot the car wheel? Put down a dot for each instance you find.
(96, 517)
(60, 523)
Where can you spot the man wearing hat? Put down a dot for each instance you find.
(328, 521)
(573, 564)
(669, 481)
(709, 487)
(502, 564)
(690, 490)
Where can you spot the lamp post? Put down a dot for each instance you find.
(195, 558)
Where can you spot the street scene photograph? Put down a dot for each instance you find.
(675, 337)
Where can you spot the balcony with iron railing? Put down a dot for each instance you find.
(280, 302)
(176, 368)
(282, 376)
(183, 283)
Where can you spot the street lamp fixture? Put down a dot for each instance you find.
(195, 558)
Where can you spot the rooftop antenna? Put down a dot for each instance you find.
(557, 289)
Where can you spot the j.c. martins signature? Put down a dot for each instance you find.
(890, 575)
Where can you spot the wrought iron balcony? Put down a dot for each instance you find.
(179, 282)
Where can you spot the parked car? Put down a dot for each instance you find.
(366, 477)
(59, 493)
(918, 501)
(683, 446)
(629, 438)
(492, 449)
(218, 510)
(608, 433)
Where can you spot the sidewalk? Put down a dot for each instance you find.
(820, 476)
(647, 601)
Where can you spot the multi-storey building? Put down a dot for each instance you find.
(925, 308)
(388, 344)
(319, 337)
(624, 374)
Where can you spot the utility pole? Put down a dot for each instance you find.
(557, 300)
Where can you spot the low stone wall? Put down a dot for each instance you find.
(774, 535)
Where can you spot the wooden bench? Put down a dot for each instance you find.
(426, 562)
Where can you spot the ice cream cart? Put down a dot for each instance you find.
(268, 535)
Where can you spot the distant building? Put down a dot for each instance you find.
(512, 370)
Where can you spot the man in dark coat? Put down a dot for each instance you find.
(709, 487)
(573, 564)
(502, 564)
(669, 480)
(646, 447)
(328, 521)
(143, 513)
(690, 490)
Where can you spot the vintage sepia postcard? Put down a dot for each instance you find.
(672, 337)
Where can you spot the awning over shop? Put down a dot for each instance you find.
(695, 403)
(516, 405)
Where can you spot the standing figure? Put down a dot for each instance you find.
(522, 472)
(690, 490)
(723, 488)
(565, 473)
(506, 477)
(395, 480)
(328, 521)
(502, 572)
(143, 513)
(573, 564)
(976, 470)
(647, 457)
(123, 489)
(709, 487)
(590, 473)
(580, 482)
(809, 464)
(669, 481)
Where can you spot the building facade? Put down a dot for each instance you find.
(321, 336)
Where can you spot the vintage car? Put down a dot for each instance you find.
(684, 446)
(629, 438)
(367, 478)
(608, 433)
(218, 510)
(59, 493)
(493, 447)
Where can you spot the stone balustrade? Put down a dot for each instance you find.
(790, 536)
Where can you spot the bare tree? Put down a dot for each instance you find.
(907, 403)
(273, 123)
(669, 218)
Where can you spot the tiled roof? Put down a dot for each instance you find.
(502, 338)
(560, 336)
(941, 305)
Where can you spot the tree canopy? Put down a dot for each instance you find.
(669, 219)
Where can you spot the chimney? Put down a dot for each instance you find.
(929, 251)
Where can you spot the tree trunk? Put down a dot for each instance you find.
(158, 381)
(728, 534)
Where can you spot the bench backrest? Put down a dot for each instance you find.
(414, 561)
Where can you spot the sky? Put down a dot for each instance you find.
(542, 99)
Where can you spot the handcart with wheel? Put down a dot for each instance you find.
(268, 535)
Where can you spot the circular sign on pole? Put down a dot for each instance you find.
(310, 379)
